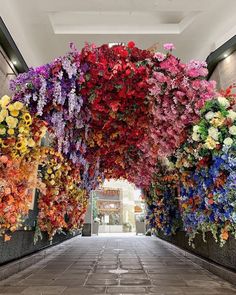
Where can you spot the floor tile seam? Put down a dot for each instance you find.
(144, 270)
(91, 270)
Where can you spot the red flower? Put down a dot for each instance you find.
(131, 44)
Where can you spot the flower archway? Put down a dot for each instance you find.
(111, 112)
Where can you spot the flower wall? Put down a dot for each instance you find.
(121, 112)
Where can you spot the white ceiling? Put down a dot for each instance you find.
(42, 29)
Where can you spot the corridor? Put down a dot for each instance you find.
(115, 265)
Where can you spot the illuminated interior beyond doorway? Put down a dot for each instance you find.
(117, 206)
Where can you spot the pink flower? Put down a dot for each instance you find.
(159, 56)
(169, 46)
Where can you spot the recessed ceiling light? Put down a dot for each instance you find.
(225, 55)
(14, 62)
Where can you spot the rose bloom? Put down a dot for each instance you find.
(231, 115)
(232, 130)
(228, 141)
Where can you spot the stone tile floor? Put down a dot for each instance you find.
(115, 265)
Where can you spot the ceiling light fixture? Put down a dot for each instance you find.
(14, 62)
(225, 55)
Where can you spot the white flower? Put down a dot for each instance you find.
(213, 132)
(210, 115)
(232, 130)
(196, 128)
(223, 101)
(195, 136)
(228, 141)
(231, 115)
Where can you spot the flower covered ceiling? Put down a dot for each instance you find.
(116, 110)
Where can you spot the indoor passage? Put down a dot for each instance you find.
(118, 147)
(115, 265)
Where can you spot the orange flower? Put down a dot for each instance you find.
(4, 159)
(7, 191)
(224, 234)
(7, 238)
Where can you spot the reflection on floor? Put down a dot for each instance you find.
(115, 265)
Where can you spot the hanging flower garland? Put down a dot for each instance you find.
(179, 91)
(52, 93)
(116, 87)
(163, 212)
(64, 202)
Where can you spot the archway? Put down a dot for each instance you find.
(111, 113)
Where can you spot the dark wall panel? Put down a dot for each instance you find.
(22, 244)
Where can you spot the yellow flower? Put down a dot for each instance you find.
(4, 113)
(11, 107)
(210, 143)
(27, 118)
(31, 142)
(11, 122)
(15, 113)
(11, 131)
(4, 145)
(49, 171)
(1, 119)
(18, 105)
(218, 120)
(52, 182)
(21, 144)
(2, 131)
(4, 101)
(21, 129)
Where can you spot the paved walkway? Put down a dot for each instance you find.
(115, 265)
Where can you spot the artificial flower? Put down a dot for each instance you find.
(11, 122)
(231, 115)
(196, 128)
(31, 142)
(228, 141)
(15, 113)
(213, 132)
(209, 115)
(169, 46)
(4, 101)
(217, 122)
(223, 101)
(195, 136)
(2, 131)
(11, 131)
(210, 143)
(4, 113)
(232, 130)
(18, 105)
